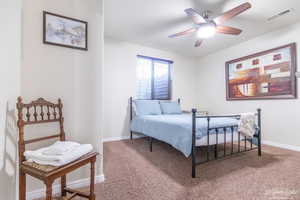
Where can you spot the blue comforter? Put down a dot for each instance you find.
(176, 130)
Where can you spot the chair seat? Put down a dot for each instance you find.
(44, 171)
(43, 168)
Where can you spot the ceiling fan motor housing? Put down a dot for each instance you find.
(210, 23)
(206, 14)
(206, 27)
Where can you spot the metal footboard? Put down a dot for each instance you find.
(241, 143)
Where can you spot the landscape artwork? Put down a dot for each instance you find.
(265, 75)
(64, 31)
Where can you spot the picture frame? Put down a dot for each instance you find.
(65, 31)
(265, 75)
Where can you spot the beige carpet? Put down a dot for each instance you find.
(134, 173)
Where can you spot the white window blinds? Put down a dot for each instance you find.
(153, 78)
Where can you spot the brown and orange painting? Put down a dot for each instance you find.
(265, 75)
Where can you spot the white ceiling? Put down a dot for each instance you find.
(149, 22)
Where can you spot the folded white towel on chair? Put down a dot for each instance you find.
(60, 147)
(247, 125)
(59, 156)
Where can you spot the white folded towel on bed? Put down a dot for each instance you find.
(247, 125)
(57, 155)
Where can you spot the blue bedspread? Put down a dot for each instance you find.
(176, 130)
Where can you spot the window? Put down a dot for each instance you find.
(153, 78)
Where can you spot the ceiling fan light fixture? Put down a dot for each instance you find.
(206, 31)
(206, 27)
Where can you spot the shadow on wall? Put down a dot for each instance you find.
(8, 156)
(125, 130)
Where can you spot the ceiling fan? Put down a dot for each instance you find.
(206, 27)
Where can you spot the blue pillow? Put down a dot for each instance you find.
(170, 108)
(147, 107)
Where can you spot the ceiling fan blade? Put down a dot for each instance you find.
(228, 30)
(231, 13)
(197, 18)
(198, 43)
(191, 30)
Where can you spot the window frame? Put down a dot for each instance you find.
(153, 60)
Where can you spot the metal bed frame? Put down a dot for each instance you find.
(241, 139)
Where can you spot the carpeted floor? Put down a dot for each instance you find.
(134, 173)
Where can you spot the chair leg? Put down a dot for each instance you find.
(49, 190)
(92, 184)
(22, 185)
(63, 185)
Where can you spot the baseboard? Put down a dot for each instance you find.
(111, 139)
(39, 193)
(284, 146)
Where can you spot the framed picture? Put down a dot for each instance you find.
(65, 31)
(265, 75)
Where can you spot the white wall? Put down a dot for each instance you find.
(120, 82)
(10, 58)
(279, 117)
(56, 72)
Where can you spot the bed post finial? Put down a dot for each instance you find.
(259, 131)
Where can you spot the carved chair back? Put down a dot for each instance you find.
(38, 112)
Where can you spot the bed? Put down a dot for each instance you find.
(187, 132)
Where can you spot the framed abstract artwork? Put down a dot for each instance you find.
(65, 31)
(265, 75)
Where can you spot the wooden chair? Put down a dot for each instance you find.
(42, 111)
